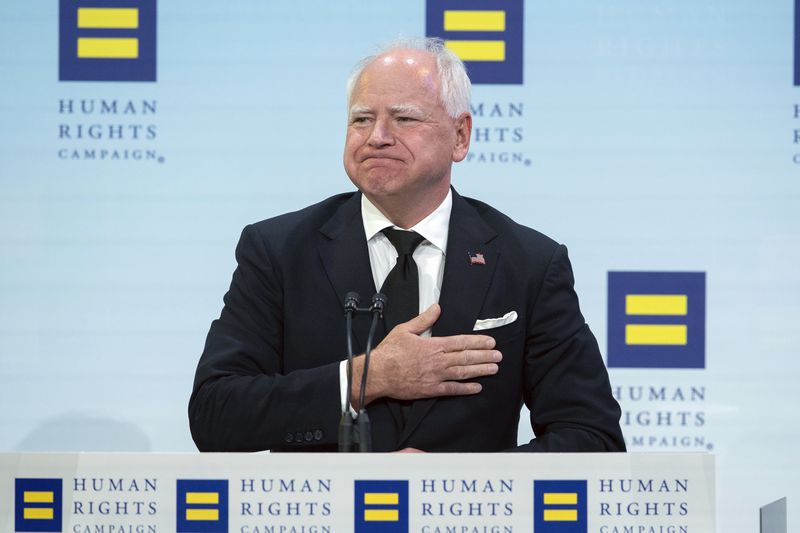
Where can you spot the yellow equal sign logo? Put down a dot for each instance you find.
(384, 499)
(202, 505)
(107, 40)
(476, 21)
(656, 319)
(486, 34)
(561, 499)
(380, 505)
(200, 498)
(37, 504)
(673, 305)
(111, 18)
(560, 506)
(38, 513)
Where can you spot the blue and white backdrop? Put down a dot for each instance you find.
(660, 140)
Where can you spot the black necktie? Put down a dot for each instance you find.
(402, 284)
(402, 289)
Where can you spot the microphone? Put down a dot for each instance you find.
(378, 303)
(364, 429)
(346, 428)
(351, 300)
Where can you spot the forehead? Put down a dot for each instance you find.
(402, 73)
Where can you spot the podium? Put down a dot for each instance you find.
(323, 493)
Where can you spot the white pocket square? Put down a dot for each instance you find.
(491, 323)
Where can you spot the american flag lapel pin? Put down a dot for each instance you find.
(476, 258)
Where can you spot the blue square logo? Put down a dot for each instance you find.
(656, 319)
(486, 34)
(37, 504)
(381, 506)
(559, 506)
(107, 40)
(202, 506)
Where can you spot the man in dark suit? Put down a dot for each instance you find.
(498, 323)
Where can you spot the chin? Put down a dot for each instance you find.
(380, 183)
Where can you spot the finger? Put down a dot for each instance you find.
(423, 321)
(409, 450)
(466, 358)
(457, 343)
(459, 373)
(453, 388)
(471, 357)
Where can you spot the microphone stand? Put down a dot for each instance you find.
(348, 438)
(346, 433)
(364, 426)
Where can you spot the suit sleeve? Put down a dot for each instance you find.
(566, 383)
(242, 399)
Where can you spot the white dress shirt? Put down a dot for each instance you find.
(429, 256)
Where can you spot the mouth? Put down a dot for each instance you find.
(380, 159)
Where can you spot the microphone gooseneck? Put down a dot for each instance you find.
(364, 425)
(346, 428)
(348, 437)
(351, 300)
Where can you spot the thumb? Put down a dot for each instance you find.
(424, 320)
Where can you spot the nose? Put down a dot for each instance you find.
(381, 134)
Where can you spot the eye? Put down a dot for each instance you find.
(407, 119)
(359, 120)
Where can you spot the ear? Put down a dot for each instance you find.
(463, 136)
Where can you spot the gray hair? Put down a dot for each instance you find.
(455, 88)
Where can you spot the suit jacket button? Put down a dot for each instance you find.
(318, 434)
(288, 437)
(309, 436)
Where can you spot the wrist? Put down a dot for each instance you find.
(372, 392)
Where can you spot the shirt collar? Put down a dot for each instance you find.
(433, 227)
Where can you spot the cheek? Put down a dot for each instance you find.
(435, 154)
(353, 141)
(350, 147)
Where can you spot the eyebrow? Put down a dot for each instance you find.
(357, 109)
(399, 109)
(402, 109)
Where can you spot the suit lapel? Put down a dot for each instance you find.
(345, 258)
(464, 284)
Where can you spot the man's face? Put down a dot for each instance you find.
(400, 141)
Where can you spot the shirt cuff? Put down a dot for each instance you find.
(343, 392)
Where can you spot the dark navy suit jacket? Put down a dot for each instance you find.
(269, 375)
